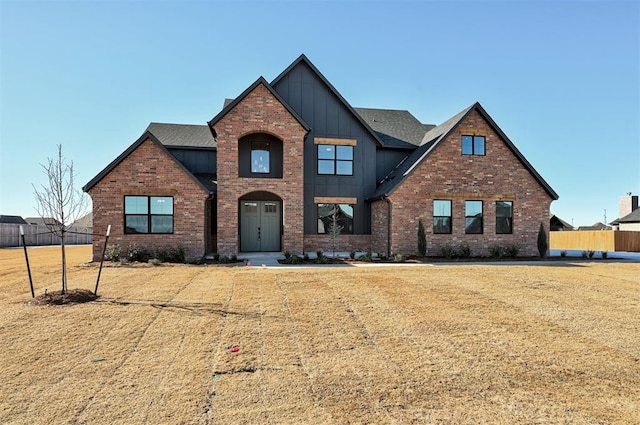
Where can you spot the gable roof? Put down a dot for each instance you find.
(303, 59)
(129, 150)
(556, 222)
(632, 217)
(596, 226)
(434, 137)
(183, 135)
(84, 221)
(12, 219)
(397, 128)
(46, 221)
(230, 105)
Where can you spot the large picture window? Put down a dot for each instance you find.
(441, 216)
(336, 160)
(504, 217)
(473, 145)
(473, 217)
(343, 216)
(148, 214)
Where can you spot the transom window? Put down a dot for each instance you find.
(473, 145)
(148, 214)
(504, 217)
(441, 216)
(343, 216)
(473, 217)
(260, 157)
(335, 159)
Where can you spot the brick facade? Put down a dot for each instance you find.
(150, 171)
(447, 174)
(260, 112)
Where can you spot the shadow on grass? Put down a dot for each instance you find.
(193, 308)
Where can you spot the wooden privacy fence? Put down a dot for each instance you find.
(596, 240)
(40, 235)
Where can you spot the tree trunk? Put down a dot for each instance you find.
(64, 264)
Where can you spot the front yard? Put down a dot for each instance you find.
(176, 344)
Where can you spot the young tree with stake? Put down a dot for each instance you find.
(59, 204)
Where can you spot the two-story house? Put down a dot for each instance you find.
(272, 168)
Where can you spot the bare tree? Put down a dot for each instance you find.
(59, 204)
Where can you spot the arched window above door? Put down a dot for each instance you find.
(260, 156)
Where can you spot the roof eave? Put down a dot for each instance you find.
(147, 135)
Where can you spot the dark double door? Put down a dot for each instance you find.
(260, 226)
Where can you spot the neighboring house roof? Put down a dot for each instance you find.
(129, 150)
(303, 58)
(396, 128)
(436, 135)
(229, 106)
(183, 135)
(84, 221)
(12, 219)
(556, 222)
(632, 217)
(595, 226)
(42, 221)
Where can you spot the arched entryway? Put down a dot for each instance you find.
(260, 222)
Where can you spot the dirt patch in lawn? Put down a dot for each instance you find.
(516, 344)
(72, 296)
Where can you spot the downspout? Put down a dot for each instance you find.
(388, 225)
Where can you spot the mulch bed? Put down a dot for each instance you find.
(72, 296)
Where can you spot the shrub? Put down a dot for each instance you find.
(112, 253)
(496, 251)
(464, 251)
(543, 245)
(170, 254)
(323, 260)
(234, 258)
(584, 254)
(448, 252)
(604, 254)
(368, 256)
(511, 250)
(422, 240)
(287, 254)
(352, 254)
(563, 254)
(136, 252)
(293, 259)
(305, 256)
(398, 258)
(155, 262)
(591, 253)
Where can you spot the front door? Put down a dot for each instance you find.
(259, 226)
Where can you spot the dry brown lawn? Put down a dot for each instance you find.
(512, 344)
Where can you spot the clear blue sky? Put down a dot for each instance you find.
(561, 78)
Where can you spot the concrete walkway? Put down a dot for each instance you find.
(270, 259)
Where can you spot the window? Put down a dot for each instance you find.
(472, 145)
(260, 157)
(441, 216)
(148, 214)
(334, 159)
(504, 217)
(343, 214)
(473, 217)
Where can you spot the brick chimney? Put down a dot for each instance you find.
(628, 203)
